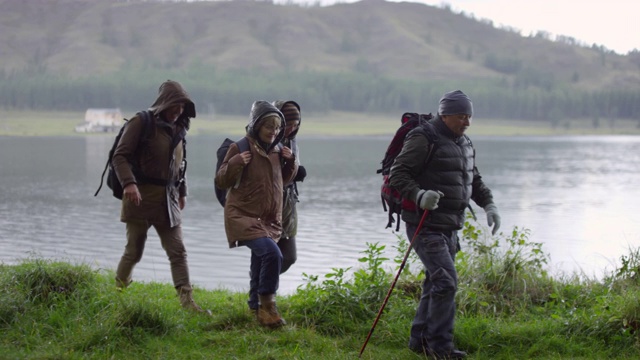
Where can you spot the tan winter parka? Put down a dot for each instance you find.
(253, 207)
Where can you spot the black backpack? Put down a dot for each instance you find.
(392, 200)
(112, 179)
(243, 145)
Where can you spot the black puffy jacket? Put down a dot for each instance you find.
(450, 169)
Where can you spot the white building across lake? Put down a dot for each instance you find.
(101, 120)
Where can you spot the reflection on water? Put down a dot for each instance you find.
(576, 195)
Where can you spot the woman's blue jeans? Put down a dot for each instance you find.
(266, 262)
(432, 326)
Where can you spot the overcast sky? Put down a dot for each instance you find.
(615, 24)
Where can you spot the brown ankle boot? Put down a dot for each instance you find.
(268, 315)
(122, 284)
(187, 302)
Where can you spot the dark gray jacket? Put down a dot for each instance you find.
(290, 195)
(450, 169)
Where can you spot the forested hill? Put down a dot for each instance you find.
(371, 39)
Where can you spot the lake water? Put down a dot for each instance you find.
(579, 196)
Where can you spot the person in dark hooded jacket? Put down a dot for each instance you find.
(155, 194)
(255, 180)
(441, 183)
(287, 244)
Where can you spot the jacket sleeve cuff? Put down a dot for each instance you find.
(414, 193)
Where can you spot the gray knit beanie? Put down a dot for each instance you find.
(455, 102)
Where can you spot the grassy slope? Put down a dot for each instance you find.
(34, 123)
(60, 311)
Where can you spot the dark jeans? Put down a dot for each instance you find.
(432, 326)
(266, 262)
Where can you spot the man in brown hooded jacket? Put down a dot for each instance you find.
(152, 174)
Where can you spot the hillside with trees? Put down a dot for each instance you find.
(372, 56)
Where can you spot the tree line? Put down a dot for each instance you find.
(233, 93)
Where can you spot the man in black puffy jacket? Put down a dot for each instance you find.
(441, 182)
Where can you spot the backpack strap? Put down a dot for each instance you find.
(146, 129)
(426, 129)
(147, 117)
(243, 145)
(397, 220)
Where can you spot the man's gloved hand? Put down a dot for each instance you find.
(493, 218)
(428, 199)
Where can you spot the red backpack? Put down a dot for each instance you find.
(392, 200)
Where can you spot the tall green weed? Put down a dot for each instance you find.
(342, 298)
(500, 274)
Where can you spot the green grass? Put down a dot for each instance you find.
(508, 306)
(40, 123)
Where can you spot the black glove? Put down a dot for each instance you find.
(302, 173)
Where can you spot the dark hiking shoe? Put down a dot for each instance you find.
(452, 354)
(418, 346)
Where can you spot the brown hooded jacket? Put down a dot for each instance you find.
(160, 157)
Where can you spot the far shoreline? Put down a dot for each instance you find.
(31, 123)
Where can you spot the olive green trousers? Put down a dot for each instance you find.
(171, 240)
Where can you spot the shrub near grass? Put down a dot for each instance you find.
(340, 302)
(42, 281)
(503, 277)
(500, 274)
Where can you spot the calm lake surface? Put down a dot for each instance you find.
(579, 196)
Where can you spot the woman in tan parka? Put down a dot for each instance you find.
(253, 210)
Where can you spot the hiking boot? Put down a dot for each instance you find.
(254, 311)
(267, 314)
(187, 302)
(121, 285)
(446, 355)
(418, 346)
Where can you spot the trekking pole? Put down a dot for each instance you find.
(404, 261)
